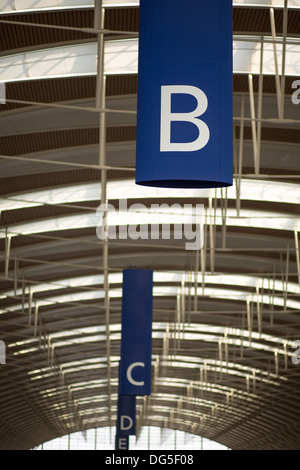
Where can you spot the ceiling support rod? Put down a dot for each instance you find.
(36, 312)
(253, 123)
(236, 177)
(297, 255)
(242, 336)
(7, 251)
(183, 307)
(177, 325)
(224, 205)
(188, 282)
(30, 298)
(23, 293)
(285, 289)
(259, 317)
(249, 321)
(203, 254)
(272, 298)
(220, 356)
(196, 279)
(156, 374)
(226, 347)
(99, 14)
(215, 224)
(241, 149)
(261, 305)
(277, 77)
(285, 356)
(276, 362)
(166, 345)
(284, 39)
(16, 268)
(254, 380)
(211, 237)
(260, 101)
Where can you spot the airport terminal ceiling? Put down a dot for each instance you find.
(226, 316)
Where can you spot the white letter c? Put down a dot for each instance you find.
(129, 376)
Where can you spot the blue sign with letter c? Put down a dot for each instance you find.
(136, 341)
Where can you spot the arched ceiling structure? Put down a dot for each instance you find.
(226, 316)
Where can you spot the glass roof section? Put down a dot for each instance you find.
(232, 280)
(192, 332)
(150, 438)
(168, 291)
(138, 214)
(121, 57)
(266, 3)
(16, 6)
(253, 190)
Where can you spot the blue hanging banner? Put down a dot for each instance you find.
(126, 421)
(185, 116)
(136, 341)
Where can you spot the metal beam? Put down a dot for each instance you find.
(94, 31)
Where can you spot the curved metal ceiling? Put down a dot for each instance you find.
(226, 317)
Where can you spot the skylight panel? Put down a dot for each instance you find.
(18, 6)
(121, 57)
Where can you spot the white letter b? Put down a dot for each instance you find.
(193, 117)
